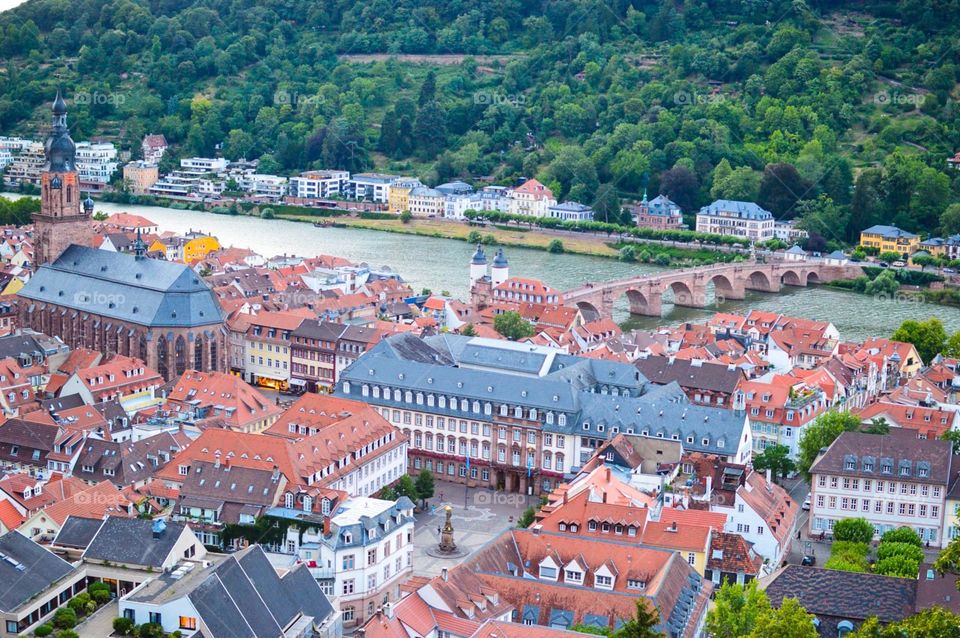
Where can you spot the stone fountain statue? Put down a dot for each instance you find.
(447, 544)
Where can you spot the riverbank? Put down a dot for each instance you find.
(599, 245)
(671, 253)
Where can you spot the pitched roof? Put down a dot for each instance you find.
(146, 292)
(840, 594)
(232, 401)
(898, 454)
(714, 377)
(131, 541)
(28, 570)
(96, 501)
(9, 516)
(77, 532)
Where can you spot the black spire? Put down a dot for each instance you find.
(60, 150)
(139, 248)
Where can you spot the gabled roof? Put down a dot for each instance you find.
(849, 595)
(146, 292)
(77, 532)
(28, 570)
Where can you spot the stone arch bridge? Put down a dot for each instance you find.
(690, 286)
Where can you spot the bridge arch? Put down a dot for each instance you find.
(813, 277)
(587, 308)
(683, 295)
(791, 278)
(758, 280)
(722, 285)
(639, 303)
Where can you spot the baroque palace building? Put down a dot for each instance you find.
(115, 303)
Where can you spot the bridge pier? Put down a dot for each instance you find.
(648, 304)
(690, 296)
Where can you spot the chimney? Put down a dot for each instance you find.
(564, 497)
(709, 489)
(608, 474)
(326, 526)
(604, 496)
(536, 529)
(388, 610)
(226, 464)
(276, 474)
(216, 462)
(443, 574)
(769, 476)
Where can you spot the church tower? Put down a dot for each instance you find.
(63, 218)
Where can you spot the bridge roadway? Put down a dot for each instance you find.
(690, 286)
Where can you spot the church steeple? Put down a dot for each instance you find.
(62, 219)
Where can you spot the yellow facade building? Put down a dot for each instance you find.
(890, 239)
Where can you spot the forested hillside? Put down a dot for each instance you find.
(842, 113)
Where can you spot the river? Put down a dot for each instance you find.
(442, 265)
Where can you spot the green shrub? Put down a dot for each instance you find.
(900, 566)
(122, 625)
(151, 630)
(907, 550)
(902, 535)
(406, 217)
(100, 596)
(65, 618)
(857, 530)
(628, 253)
(555, 246)
(43, 630)
(67, 633)
(100, 586)
(267, 213)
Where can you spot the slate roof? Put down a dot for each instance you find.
(28, 570)
(715, 377)
(146, 292)
(744, 210)
(888, 232)
(907, 457)
(77, 532)
(852, 596)
(130, 541)
(243, 597)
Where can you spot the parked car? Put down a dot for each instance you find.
(808, 560)
(806, 504)
(899, 264)
(949, 271)
(884, 264)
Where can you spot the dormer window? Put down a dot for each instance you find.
(636, 584)
(573, 576)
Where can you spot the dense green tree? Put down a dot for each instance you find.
(934, 622)
(388, 140)
(643, 624)
(950, 220)
(406, 487)
(790, 620)
(855, 530)
(928, 337)
(425, 486)
(430, 129)
(606, 206)
(512, 325)
(775, 458)
(781, 187)
(681, 185)
(742, 184)
(820, 434)
(736, 610)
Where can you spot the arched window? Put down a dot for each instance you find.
(142, 347)
(163, 357)
(198, 354)
(214, 363)
(288, 500)
(180, 355)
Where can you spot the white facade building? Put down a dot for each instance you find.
(318, 184)
(360, 554)
(892, 480)
(738, 219)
